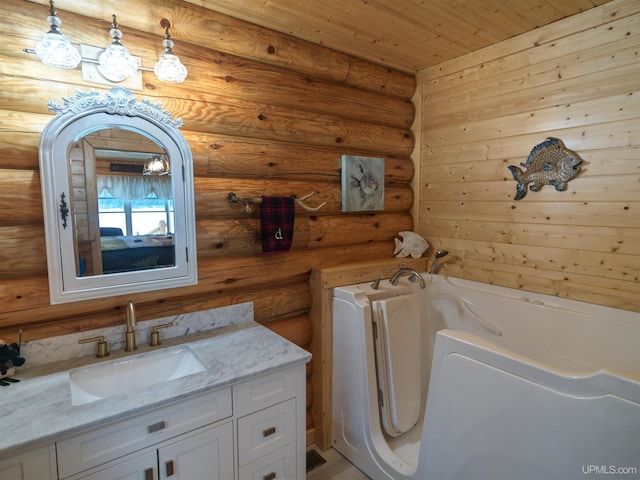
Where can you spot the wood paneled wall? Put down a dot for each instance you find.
(264, 114)
(578, 80)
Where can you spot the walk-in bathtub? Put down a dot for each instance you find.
(469, 381)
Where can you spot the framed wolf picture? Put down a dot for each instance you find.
(362, 183)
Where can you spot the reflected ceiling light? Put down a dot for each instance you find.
(157, 165)
(115, 63)
(169, 68)
(55, 49)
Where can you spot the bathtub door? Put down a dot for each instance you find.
(397, 341)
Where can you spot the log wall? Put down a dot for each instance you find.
(263, 113)
(578, 80)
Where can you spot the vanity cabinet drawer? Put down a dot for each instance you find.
(266, 431)
(264, 391)
(279, 465)
(100, 445)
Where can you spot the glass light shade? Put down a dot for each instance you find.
(115, 63)
(157, 166)
(55, 50)
(169, 68)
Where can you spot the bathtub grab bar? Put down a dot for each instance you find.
(489, 326)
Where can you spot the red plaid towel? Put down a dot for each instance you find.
(276, 224)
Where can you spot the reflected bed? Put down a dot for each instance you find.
(124, 253)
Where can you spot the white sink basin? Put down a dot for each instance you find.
(132, 373)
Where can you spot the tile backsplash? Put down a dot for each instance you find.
(65, 347)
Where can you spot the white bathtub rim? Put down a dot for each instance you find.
(592, 383)
(542, 299)
(581, 322)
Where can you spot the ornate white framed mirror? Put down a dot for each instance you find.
(117, 194)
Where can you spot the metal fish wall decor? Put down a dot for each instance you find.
(549, 163)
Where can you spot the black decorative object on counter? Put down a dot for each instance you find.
(9, 358)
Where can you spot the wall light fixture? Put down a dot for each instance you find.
(55, 49)
(114, 63)
(169, 68)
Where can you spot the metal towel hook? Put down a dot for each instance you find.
(248, 202)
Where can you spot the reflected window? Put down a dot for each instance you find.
(111, 212)
(137, 205)
(148, 216)
(152, 215)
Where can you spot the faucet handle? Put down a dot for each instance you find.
(155, 334)
(103, 349)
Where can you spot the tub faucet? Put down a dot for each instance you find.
(130, 334)
(406, 271)
(439, 255)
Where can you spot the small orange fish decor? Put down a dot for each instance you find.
(549, 163)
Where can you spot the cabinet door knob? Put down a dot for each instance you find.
(169, 466)
(148, 474)
(269, 476)
(268, 431)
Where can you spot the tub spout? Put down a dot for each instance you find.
(439, 255)
(413, 276)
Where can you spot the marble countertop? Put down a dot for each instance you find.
(38, 409)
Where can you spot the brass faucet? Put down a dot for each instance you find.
(130, 334)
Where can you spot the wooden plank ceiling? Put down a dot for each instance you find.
(407, 35)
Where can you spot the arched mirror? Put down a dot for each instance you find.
(117, 189)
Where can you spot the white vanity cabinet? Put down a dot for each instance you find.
(98, 446)
(206, 454)
(252, 430)
(271, 426)
(141, 466)
(35, 464)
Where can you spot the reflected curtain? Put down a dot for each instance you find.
(134, 188)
